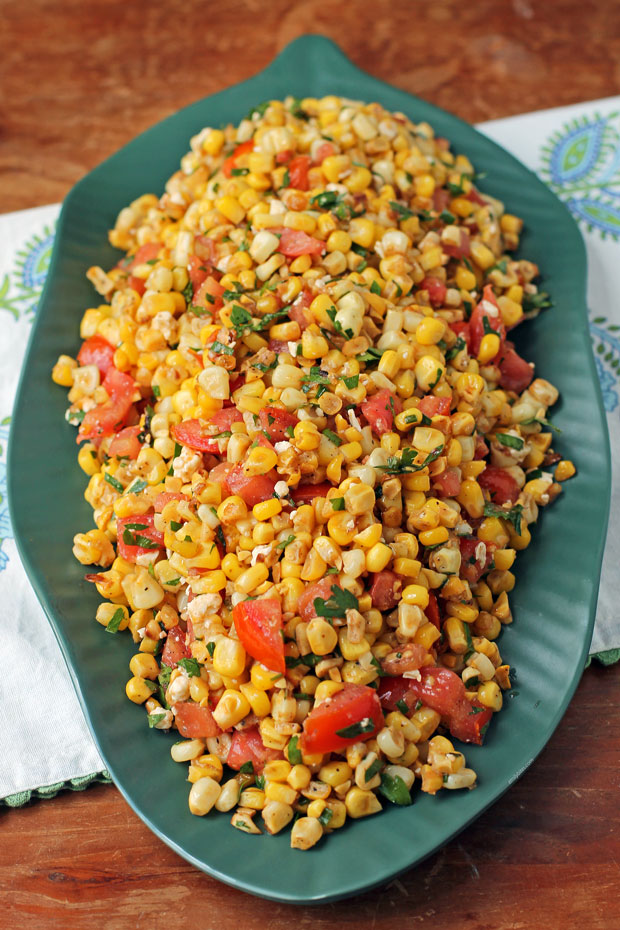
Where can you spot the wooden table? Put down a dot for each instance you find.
(79, 80)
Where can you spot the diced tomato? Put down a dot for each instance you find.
(435, 406)
(481, 450)
(432, 610)
(197, 271)
(486, 309)
(380, 410)
(500, 484)
(141, 525)
(385, 590)
(205, 249)
(136, 284)
(146, 253)
(354, 705)
(174, 647)
(106, 418)
(322, 589)
(209, 295)
(219, 474)
(436, 291)
(393, 689)
(295, 242)
(278, 346)
(475, 562)
(462, 329)
(252, 488)
(462, 250)
(444, 692)
(306, 493)
(259, 627)
(126, 443)
(97, 351)
(247, 746)
(441, 199)
(195, 721)
(475, 197)
(448, 483)
(231, 161)
(165, 497)
(276, 422)
(299, 311)
(298, 172)
(199, 436)
(324, 150)
(516, 373)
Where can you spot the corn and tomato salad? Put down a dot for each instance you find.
(313, 456)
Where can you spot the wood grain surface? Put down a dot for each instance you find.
(77, 81)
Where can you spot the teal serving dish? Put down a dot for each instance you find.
(555, 597)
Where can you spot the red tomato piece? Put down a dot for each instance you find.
(436, 291)
(231, 161)
(356, 706)
(197, 271)
(299, 312)
(298, 172)
(247, 746)
(380, 410)
(394, 689)
(126, 443)
(142, 526)
(462, 329)
(165, 497)
(220, 474)
(500, 484)
(278, 346)
(136, 284)
(462, 250)
(259, 627)
(476, 557)
(146, 253)
(516, 373)
(209, 295)
(486, 309)
(306, 493)
(199, 436)
(441, 199)
(305, 604)
(252, 488)
(481, 450)
(432, 610)
(195, 721)
(324, 150)
(476, 197)
(97, 351)
(385, 590)
(175, 647)
(106, 418)
(276, 422)
(444, 691)
(448, 483)
(435, 406)
(295, 242)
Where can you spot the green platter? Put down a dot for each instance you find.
(555, 598)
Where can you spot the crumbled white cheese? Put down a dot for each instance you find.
(282, 446)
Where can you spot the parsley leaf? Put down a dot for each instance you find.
(352, 382)
(454, 350)
(513, 515)
(395, 790)
(286, 542)
(337, 604)
(507, 439)
(115, 621)
(406, 463)
(337, 441)
(293, 751)
(154, 719)
(367, 725)
(191, 666)
(111, 480)
(532, 303)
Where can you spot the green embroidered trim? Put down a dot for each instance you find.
(50, 791)
(609, 657)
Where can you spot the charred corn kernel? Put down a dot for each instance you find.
(426, 635)
(276, 791)
(277, 770)
(231, 708)
(465, 612)
(489, 347)
(251, 578)
(322, 637)
(138, 689)
(144, 666)
(430, 331)
(490, 695)
(471, 497)
(434, 537)
(299, 777)
(352, 651)
(378, 557)
(427, 721)
(316, 808)
(335, 773)
(306, 832)
(259, 702)
(260, 461)
(306, 436)
(481, 254)
(455, 631)
(207, 766)
(229, 657)
(265, 510)
(360, 803)
(252, 798)
(203, 795)
(564, 470)
(325, 689)
(276, 816)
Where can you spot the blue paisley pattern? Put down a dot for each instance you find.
(21, 288)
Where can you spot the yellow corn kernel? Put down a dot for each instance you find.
(277, 770)
(454, 629)
(231, 708)
(426, 635)
(262, 678)
(471, 497)
(230, 208)
(430, 331)
(229, 657)
(362, 231)
(434, 537)
(489, 347)
(335, 773)
(276, 791)
(369, 537)
(252, 577)
(265, 510)
(306, 436)
(206, 766)
(490, 695)
(198, 689)
(325, 689)
(62, 372)
(493, 530)
(260, 461)
(465, 612)
(351, 451)
(87, 459)
(144, 666)
(322, 637)
(299, 777)
(360, 803)
(416, 594)
(259, 702)
(352, 651)
(424, 185)
(138, 689)
(409, 568)
(564, 470)
(511, 310)
(378, 557)
(465, 279)
(481, 254)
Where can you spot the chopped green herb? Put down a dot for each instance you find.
(240, 318)
(406, 463)
(259, 110)
(135, 539)
(507, 439)
(173, 582)
(318, 377)
(403, 706)
(446, 217)
(337, 441)
(290, 431)
(191, 666)
(293, 751)
(486, 327)
(375, 288)
(454, 350)
(211, 649)
(286, 179)
(239, 172)
(543, 422)
(325, 816)
(174, 526)
(501, 265)
(367, 725)
(337, 503)
(247, 768)
(337, 604)
(220, 349)
(513, 515)
(371, 356)
(395, 790)
(115, 621)
(455, 189)
(260, 782)
(532, 303)
(309, 659)
(297, 110)
(188, 293)
(154, 719)
(286, 542)
(437, 379)
(156, 390)
(352, 382)
(113, 482)
(163, 680)
(136, 486)
(401, 211)
(373, 769)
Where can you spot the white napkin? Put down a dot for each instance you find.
(44, 740)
